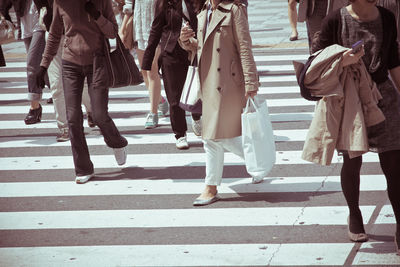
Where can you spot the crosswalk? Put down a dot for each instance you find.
(141, 214)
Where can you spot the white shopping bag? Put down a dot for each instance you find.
(257, 138)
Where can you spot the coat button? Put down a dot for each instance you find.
(219, 69)
(233, 74)
(219, 88)
(218, 49)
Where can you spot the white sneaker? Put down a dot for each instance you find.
(83, 179)
(120, 155)
(257, 180)
(182, 143)
(196, 127)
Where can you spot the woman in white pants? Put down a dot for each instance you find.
(228, 76)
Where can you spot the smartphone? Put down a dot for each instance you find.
(185, 23)
(356, 47)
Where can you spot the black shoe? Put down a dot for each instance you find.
(90, 121)
(50, 100)
(34, 115)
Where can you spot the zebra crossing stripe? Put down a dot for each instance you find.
(162, 218)
(141, 107)
(321, 254)
(133, 139)
(185, 186)
(139, 122)
(160, 160)
(129, 94)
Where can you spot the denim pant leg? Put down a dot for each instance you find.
(99, 101)
(73, 78)
(35, 48)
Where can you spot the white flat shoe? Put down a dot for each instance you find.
(204, 202)
(255, 180)
(83, 179)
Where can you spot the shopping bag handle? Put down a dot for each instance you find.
(251, 101)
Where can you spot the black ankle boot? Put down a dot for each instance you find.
(34, 115)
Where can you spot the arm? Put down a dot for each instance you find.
(154, 38)
(107, 22)
(53, 42)
(122, 29)
(241, 35)
(188, 41)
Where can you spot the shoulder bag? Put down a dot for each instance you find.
(7, 31)
(191, 93)
(117, 68)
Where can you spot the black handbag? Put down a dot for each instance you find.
(117, 68)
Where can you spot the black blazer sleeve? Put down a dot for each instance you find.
(329, 31)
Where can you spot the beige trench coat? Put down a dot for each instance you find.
(348, 107)
(226, 68)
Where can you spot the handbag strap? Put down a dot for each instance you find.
(194, 61)
(251, 101)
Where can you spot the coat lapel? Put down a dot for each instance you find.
(216, 18)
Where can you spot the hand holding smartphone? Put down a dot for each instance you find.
(356, 47)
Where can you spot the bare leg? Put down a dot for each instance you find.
(152, 80)
(292, 13)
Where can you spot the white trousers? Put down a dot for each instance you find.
(57, 91)
(215, 157)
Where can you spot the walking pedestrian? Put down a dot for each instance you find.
(85, 25)
(143, 12)
(228, 76)
(166, 26)
(34, 40)
(314, 11)
(292, 14)
(55, 79)
(376, 26)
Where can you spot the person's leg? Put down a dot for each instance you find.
(314, 20)
(99, 100)
(57, 93)
(152, 80)
(350, 182)
(292, 14)
(34, 57)
(73, 78)
(88, 105)
(214, 168)
(35, 47)
(174, 75)
(390, 166)
(2, 59)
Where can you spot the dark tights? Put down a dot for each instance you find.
(350, 181)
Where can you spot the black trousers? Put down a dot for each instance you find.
(73, 79)
(2, 59)
(174, 67)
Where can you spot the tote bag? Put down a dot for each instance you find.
(257, 138)
(191, 93)
(7, 31)
(117, 68)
